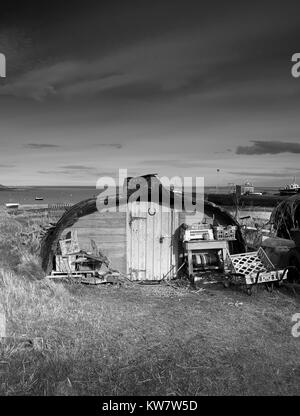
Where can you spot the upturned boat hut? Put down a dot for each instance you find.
(141, 238)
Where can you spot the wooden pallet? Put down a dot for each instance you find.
(85, 277)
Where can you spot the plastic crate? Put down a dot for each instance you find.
(253, 268)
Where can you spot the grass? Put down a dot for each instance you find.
(143, 340)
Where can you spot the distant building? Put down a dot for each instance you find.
(248, 188)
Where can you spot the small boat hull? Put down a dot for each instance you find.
(12, 205)
(290, 192)
(291, 189)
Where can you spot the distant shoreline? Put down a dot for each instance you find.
(21, 188)
(4, 188)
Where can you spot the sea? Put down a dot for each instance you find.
(72, 195)
(49, 195)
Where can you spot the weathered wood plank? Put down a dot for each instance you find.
(100, 231)
(103, 223)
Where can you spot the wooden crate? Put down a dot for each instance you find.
(70, 245)
(65, 264)
(225, 233)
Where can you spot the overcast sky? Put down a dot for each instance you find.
(173, 87)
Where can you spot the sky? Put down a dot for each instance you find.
(178, 88)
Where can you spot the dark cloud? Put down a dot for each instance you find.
(139, 90)
(114, 145)
(114, 174)
(168, 162)
(77, 167)
(40, 146)
(260, 147)
(79, 170)
(200, 74)
(71, 172)
(104, 24)
(48, 172)
(223, 151)
(176, 163)
(156, 51)
(3, 165)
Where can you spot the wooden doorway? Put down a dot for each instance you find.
(150, 229)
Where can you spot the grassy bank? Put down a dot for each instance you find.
(143, 340)
(146, 340)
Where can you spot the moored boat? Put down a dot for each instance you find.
(290, 189)
(14, 205)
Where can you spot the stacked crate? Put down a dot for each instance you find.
(225, 233)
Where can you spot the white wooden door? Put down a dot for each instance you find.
(149, 241)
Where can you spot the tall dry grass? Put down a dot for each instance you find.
(33, 357)
(19, 246)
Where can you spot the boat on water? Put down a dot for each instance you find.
(11, 205)
(290, 189)
(39, 198)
